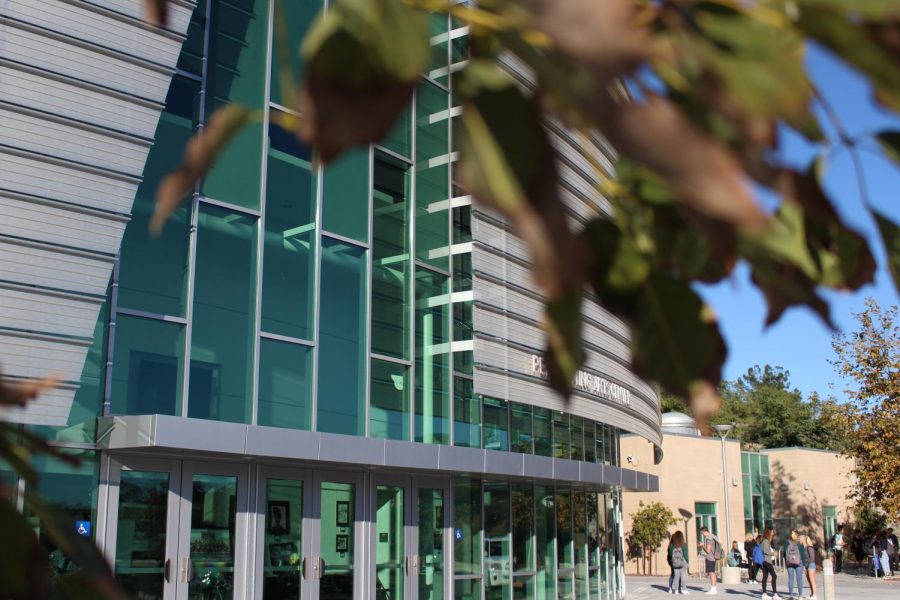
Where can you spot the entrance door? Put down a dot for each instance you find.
(175, 531)
(337, 550)
(409, 539)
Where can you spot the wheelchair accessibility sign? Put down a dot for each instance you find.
(83, 528)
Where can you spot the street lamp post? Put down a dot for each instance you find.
(723, 430)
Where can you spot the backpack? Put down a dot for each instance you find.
(792, 556)
(677, 558)
(758, 557)
(718, 552)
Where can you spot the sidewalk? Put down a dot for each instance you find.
(846, 586)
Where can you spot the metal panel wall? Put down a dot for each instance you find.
(83, 85)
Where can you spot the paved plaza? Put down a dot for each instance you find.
(847, 587)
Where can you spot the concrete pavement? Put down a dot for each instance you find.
(847, 587)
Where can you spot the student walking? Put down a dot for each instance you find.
(812, 553)
(711, 551)
(678, 561)
(795, 561)
(768, 565)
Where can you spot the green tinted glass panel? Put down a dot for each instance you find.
(191, 58)
(285, 383)
(562, 437)
(466, 414)
(222, 339)
(283, 548)
(288, 262)
(342, 339)
(141, 532)
(543, 432)
(212, 535)
(467, 589)
(467, 551)
(590, 443)
(431, 544)
(292, 21)
(497, 555)
(496, 424)
(545, 542)
(462, 224)
(236, 73)
(523, 526)
(148, 367)
(432, 358)
(390, 259)
(336, 540)
(462, 272)
(463, 361)
(521, 434)
(462, 321)
(600, 442)
(71, 491)
(345, 209)
(577, 438)
(153, 269)
(432, 174)
(389, 413)
(399, 138)
(389, 541)
(564, 535)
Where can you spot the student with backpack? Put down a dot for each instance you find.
(678, 561)
(837, 548)
(795, 560)
(768, 564)
(711, 551)
(752, 546)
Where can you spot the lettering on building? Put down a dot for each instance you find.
(587, 382)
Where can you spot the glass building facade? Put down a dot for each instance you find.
(282, 395)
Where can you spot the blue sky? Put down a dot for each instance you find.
(800, 342)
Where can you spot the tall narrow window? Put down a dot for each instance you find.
(432, 358)
(342, 339)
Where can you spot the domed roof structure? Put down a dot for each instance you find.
(679, 423)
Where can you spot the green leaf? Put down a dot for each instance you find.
(849, 39)
(675, 337)
(890, 144)
(365, 58)
(890, 234)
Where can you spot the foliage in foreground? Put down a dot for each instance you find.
(869, 359)
(694, 95)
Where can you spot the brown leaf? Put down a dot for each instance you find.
(784, 285)
(602, 36)
(199, 154)
(705, 402)
(704, 175)
(156, 12)
(338, 116)
(20, 393)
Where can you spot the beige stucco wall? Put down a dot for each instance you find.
(691, 471)
(806, 480)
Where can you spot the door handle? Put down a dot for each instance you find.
(167, 570)
(303, 567)
(406, 565)
(321, 567)
(187, 570)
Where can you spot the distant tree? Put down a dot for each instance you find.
(671, 403)
(868, 520)
(869, 358)
(649, 528)
(768, 413)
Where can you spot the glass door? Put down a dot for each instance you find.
(410, 532)
(143, 508)
(211, 532)
(337, 548)
(282, 530)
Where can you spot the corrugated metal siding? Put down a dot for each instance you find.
(83, 83)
